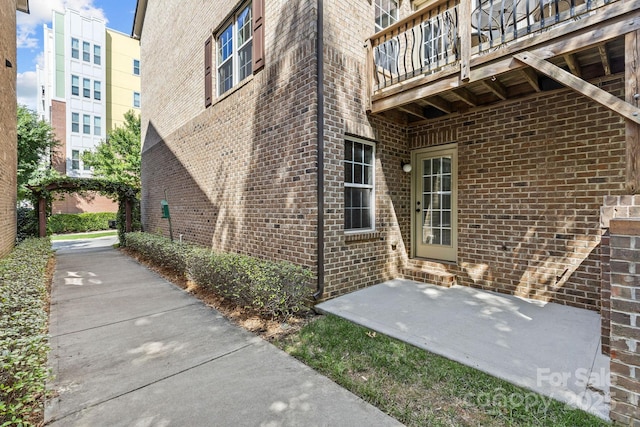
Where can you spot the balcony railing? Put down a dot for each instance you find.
(450, 31)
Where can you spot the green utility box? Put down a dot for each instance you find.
(165, 209)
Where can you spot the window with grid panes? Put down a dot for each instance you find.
(86, 51)
(75, 122)
(235, 48)
(75, 48)
(359, 162)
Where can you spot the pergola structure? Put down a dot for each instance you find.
(43, 193)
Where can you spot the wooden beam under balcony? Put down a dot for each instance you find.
(573, 64)
(632, 96)
(585, 88)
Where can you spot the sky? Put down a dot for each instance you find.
(118, 15)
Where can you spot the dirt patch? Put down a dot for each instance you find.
(245, 317)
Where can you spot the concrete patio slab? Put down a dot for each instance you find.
(548, 348)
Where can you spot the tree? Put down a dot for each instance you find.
(35, 141)
(118, 157)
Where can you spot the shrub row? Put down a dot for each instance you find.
(275, 289)
(77, 223)
(23, 331)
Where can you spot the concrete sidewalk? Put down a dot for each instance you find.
(131, 349)
(551, 349)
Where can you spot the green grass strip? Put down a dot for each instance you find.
(419, 388)
(59, 237)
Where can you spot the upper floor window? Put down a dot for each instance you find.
(86, 51)
(235, 48)
(75, 122)
(97, 54)
(136, 99)
(358, 185)
(75, 159)
(97, 126)
(386, 54)
(75, 85)
(86, 88)
(136, 67)
(86, 124)
(75, 48)
(97, 90)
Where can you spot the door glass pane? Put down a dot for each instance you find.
(436, 201)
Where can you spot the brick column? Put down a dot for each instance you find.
(625, 320)
(614, 207)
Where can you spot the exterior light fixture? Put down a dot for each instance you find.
(406, 167)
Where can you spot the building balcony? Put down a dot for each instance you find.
(454, 55)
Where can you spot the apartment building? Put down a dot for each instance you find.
(479, 143)
(90, 78)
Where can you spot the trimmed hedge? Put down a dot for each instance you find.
(23, 331)
(78, 223)
(275, 289)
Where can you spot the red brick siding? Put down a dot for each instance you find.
(625, 329)
(240, 175)
(8, 114)
(532, 177)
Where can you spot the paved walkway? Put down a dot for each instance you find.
(549, 348)
(131, 349)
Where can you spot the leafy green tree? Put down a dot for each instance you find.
(35, 141)
(118, 157)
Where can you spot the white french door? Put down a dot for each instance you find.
(434, 198)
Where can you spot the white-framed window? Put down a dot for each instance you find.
(386, 54)
(136, 99)
(86, 88)
(97, 90)
(75, 48)
(84, 165)
(75, 85)
(97, 125)
(359, 184)
(75, 160)
(235, 48)
(136, 67)
(97, 54)
(75, 122)
(86, 124)
(86, 51)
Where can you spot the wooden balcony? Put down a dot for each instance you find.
(454, 55)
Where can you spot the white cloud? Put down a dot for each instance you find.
(27, 89)
(41, 12)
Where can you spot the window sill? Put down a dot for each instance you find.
(362, 236)
(231, 91)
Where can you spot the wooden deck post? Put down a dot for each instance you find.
(464, 30)
(127, 215)
(632, 96)
(42, 216)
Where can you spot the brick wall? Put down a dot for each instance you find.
(8, 159)
(532, 177)
(625, 321)
(613, 207)
(59, 126)
(240, 175)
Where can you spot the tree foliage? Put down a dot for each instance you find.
(35, 140)
(118, 157)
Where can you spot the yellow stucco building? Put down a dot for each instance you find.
(123, 77)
